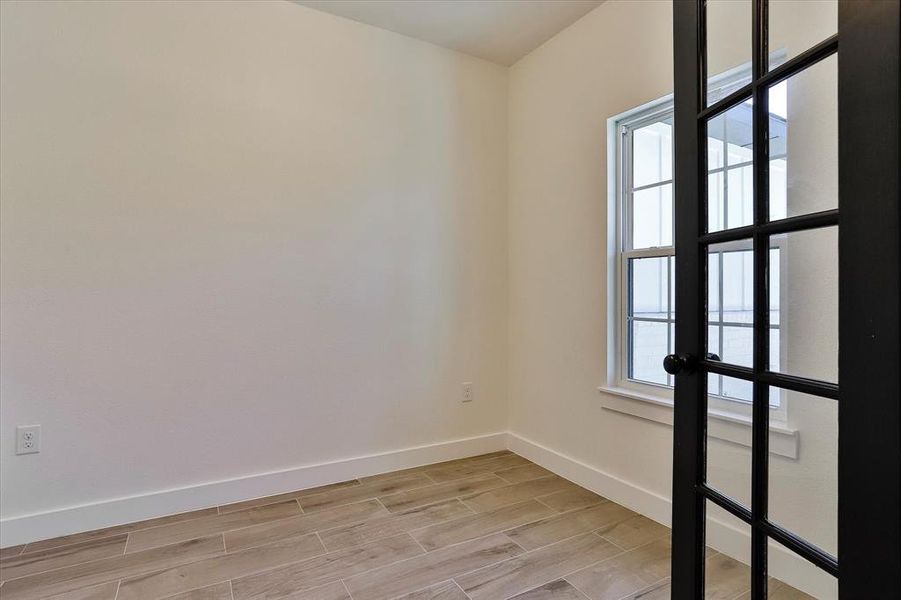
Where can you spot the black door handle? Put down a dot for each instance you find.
(677, 363)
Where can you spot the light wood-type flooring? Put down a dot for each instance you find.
(489, 527)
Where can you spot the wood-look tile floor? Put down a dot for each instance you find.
(489, 527)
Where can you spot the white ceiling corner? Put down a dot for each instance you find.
(502, 31)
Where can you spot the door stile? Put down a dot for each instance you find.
(869, 233)
(689, 431)
(869, 472)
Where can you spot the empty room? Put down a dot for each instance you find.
(450, 299)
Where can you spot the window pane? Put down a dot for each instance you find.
(730, 189)
(648, 347)
(803, 492)
(649, 294)
(804, 172)
(650, 297)
(652, 217)
(798, 25)
(728, 41)
(807, 304)
(652, 153)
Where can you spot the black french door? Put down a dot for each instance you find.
(775, 233)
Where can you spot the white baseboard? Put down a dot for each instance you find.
(784, 565)
(106, 513)
(645, 502)
(116, 511)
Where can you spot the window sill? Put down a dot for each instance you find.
(722, 425)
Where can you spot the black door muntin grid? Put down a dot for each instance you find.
(689, 524)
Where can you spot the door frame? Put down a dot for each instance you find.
(869, 220)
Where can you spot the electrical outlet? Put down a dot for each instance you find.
(468, 393)
(28, 439)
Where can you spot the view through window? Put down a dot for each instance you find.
(646, 236)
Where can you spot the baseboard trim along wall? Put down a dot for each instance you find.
(116, 511)
(106, 513)
(784, 565)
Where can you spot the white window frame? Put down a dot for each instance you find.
(646, 399)
(623, 228)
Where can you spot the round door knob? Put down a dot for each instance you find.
(676, 363)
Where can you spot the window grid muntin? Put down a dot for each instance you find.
(623, 362)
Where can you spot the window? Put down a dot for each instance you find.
(645, 254)
(647, 245)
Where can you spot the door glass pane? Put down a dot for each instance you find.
(736, 389)
(728, 462)
(672, 287)
(803, 491)
(730, 306)
(652, 153)
(672, 313)
(739, 197)
(738, 345)
(728, 43)
(775, 269)
(805, 304)
(778, 188)
(726, 576)
(788, 582)
(803, 131)
(670, 380)
(730, 149)
(798, 25)
(713, 291)
(652, 217)
(716, 198)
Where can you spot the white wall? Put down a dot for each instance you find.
(242, 237)
(616, 58)
(239, 237)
